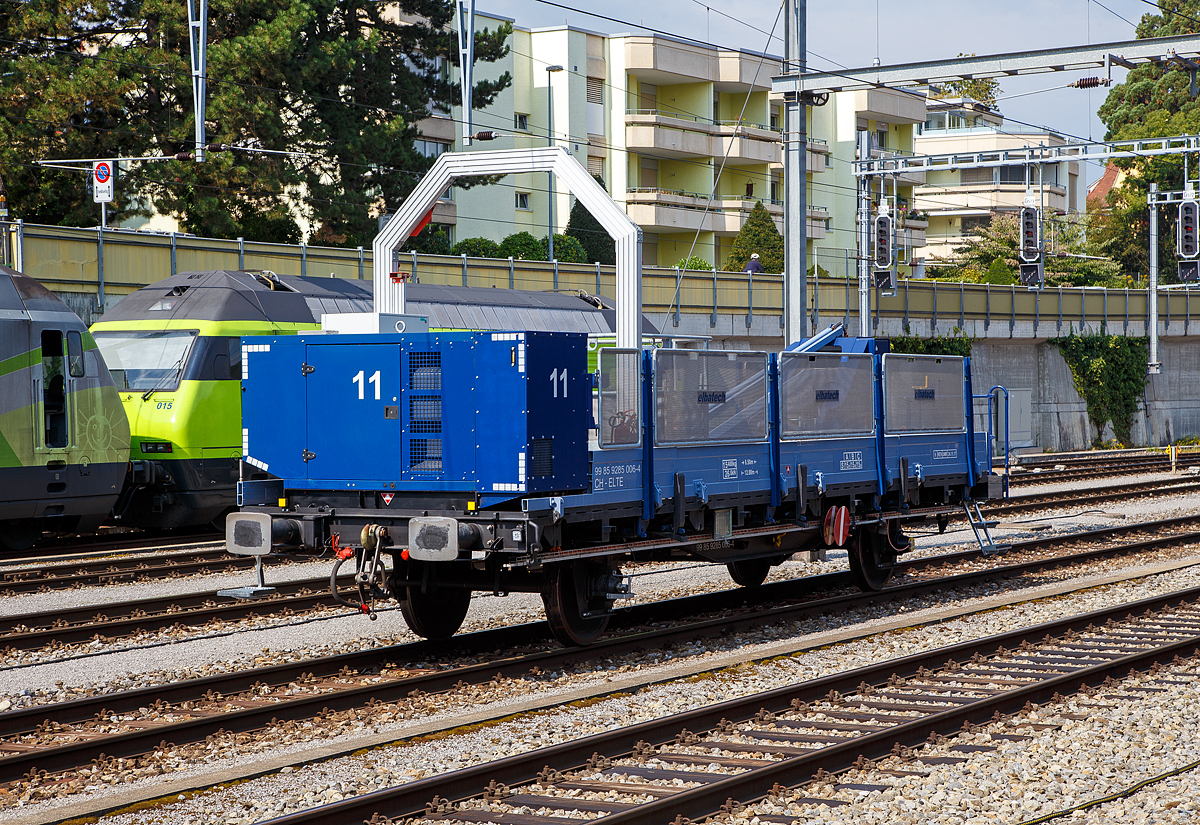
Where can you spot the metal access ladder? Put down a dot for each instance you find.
(982, 528)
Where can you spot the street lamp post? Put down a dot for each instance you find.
(550, 138)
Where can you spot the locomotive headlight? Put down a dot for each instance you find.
(157, 447)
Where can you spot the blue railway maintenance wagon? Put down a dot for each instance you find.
(444, 463)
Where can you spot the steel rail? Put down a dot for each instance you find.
(1066, 498)
(80, 624)
(140, 741)
(411, 799)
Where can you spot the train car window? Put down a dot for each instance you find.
(75, 354)
(620, 398)
(216, 358)
(54, 389)
(826, 394)
(710, 396)
(923, 393)
(150, 360)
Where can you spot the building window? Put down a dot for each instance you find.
(430, 148)
(595, 166)
(523, 200)
(595, 90)
(982, 175)
(521, 122)
(975, 225)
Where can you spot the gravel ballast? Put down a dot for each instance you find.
(259, 799)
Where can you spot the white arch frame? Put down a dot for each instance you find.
(389, 294)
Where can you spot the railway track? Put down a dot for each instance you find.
(207, 557)
(700, 762)
(54, 549)
(1072, 498)
(1054, 476)
(1050, 469)
(212, 557)
(128, 725)
(31, 631)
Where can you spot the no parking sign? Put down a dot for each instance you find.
(102, 181)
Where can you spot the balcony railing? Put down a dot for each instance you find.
(720, 201)
(707, 121)
(676, 115)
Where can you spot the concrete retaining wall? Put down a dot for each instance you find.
(1059, 415)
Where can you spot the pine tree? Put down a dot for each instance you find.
(758, 235)
(343, 82)
(598, 245)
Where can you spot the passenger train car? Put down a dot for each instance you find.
(64, 439)
(448, 463)
(175, 349)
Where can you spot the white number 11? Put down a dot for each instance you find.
(374, 379)
(554, 379)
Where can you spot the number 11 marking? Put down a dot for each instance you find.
(554, 378)
(358, 379)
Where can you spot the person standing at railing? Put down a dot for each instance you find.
(753, 266)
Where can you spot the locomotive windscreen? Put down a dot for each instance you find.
(826, 394)
(146, 360)
(710, 396)
(923, 393)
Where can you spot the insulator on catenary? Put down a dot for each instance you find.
(1089, 82)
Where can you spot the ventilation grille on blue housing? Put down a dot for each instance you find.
(425, 371)
(425, 454)
(425, 414)
(541, 457)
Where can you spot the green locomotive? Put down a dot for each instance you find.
(175, 351)
(64, 439)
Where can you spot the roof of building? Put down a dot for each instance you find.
(1098, 191)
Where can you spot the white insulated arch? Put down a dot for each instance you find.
(389, 294)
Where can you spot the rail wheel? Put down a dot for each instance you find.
(749, 572)
(871, 559)
(576, 607)
(18, 536)
(435, 614)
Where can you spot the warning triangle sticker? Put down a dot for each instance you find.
(387, 497)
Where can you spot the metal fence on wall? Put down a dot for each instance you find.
(69, 260)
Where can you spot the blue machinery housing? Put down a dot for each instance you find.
(495, 461)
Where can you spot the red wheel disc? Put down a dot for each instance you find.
(836, 528)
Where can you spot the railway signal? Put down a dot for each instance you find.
(1031, 267)
(1187, 241)
(885, 272)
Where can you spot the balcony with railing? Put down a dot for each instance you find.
(818, 155)
(667, 210)
(675, 134)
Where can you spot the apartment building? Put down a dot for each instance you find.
(960, 202)
(656, 118)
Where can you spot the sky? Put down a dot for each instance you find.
(851, 33)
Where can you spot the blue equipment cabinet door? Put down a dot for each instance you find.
(354, 412)
(273, 405)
